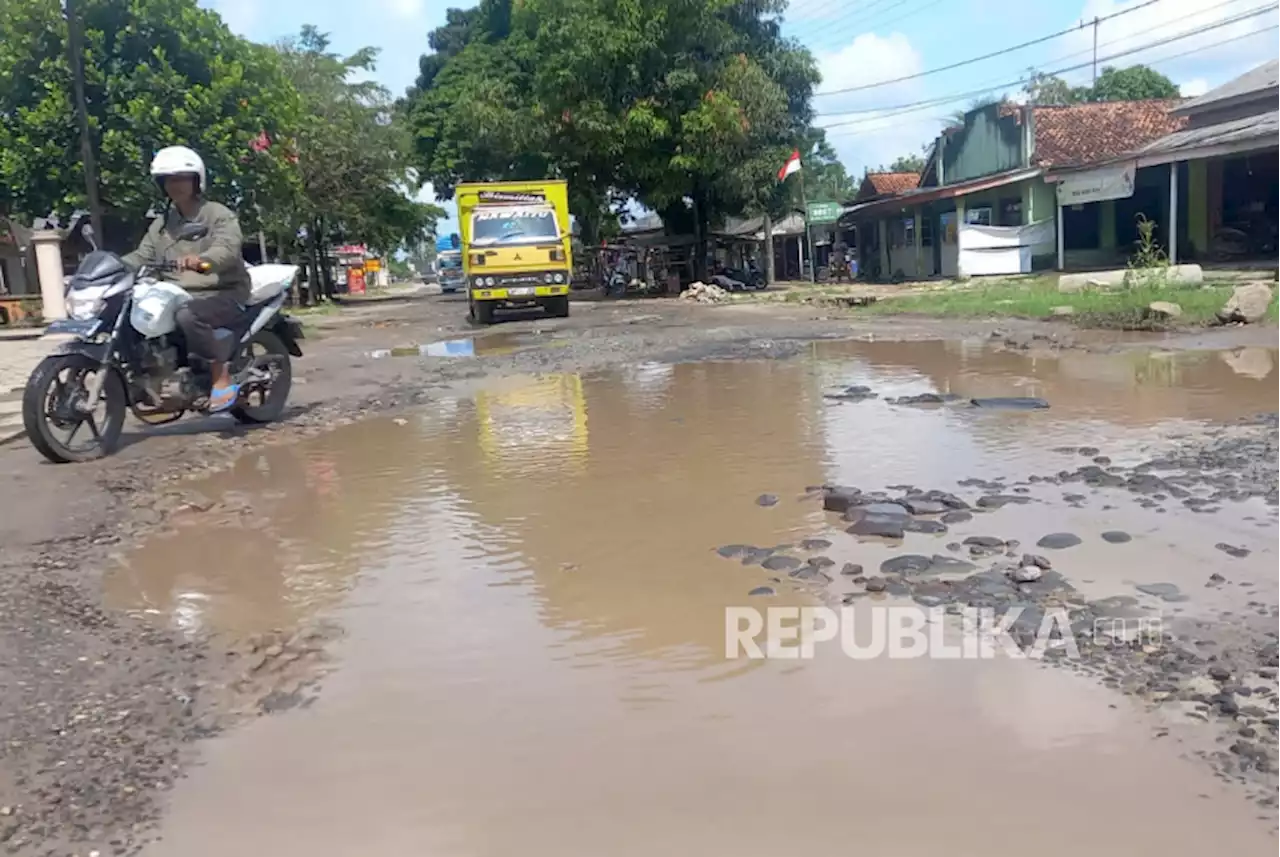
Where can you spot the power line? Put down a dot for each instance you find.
(868, 27)
(913, 108)
(930, 102)
(991, 55)
(863, 17)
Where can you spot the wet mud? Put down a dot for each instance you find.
(485, 608)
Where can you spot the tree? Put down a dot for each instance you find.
(352, 155)
(157, 73)
(1135, 83)
(1048, 90)
(689, 108)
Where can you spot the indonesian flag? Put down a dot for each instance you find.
(791, 166)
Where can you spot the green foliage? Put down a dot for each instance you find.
(1135, 83)
(157, 73)
(1149, 265)
(352, 152)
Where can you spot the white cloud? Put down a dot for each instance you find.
(1193, 88)
(863, 137)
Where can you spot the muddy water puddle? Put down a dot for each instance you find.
(533, 607)
(488, 345)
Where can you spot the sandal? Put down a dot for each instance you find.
(223, 398)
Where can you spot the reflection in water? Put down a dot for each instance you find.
(534, 652)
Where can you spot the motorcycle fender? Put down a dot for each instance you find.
(96, 351)
(290, 331)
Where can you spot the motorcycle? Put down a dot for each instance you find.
(127, 354)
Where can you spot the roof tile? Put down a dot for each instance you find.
(1081, 133)
(889, 183)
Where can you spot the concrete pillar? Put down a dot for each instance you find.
(1061, 246)
(882, 233)
(960, 222)
(49, 268)
(915, 216)
(1173, 213)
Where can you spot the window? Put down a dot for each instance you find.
(513, 226)
(926, 231)
(909, 231)
(980, 216)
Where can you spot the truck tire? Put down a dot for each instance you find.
(482, 312)
(557, 306)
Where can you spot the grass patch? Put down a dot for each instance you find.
(1037, 298)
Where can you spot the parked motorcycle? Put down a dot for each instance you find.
(128, 355)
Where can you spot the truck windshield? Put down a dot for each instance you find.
(514, 226)
(450, 263)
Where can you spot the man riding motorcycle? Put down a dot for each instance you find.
(218, 296)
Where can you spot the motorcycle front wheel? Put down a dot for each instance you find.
(59, 423)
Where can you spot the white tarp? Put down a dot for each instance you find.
(1113, 182)
(1003, 249)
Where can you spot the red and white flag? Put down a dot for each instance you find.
(791, 166)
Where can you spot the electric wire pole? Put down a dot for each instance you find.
(75, 55)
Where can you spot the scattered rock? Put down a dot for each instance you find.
(878, 525)
(704, 293)
(999, 501)
(814, 545)
(820, 561)
(762, 590)
(916, 525)
(1026, 573)
(767, 500)
(1019, 403)
(906, 564)
(1058, 541)
(1062, 310)
(840, 499)
(985, 542)
(921, 506)
(924, 399)
(1036, 560)
(957, 516)
(811, 574)
(876, 584)
(1219, 673)
(780, 563)
(733, 551)
(1162, 310)
(1248, 304)
(1232, 550)
(1116, 537)
(851, 569)
(884, 510)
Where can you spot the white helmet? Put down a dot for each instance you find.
(178, 161)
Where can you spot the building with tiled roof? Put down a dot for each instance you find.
(1087, 133)
(875, 185)
(991, 179)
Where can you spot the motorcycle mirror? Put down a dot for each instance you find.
(192, 231)
(87, 232)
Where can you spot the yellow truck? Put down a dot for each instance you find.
(515, 246)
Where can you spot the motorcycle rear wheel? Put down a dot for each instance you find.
(272, 401)
(48, 403)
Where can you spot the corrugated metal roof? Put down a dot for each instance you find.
(1265, 126)
(1260, 79)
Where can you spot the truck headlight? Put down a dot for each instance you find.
(559, 278)
(546, 278)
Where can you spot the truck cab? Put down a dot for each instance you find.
(449, 271)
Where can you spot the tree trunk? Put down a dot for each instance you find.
(326, 275)
(699, 241)
(313, 277)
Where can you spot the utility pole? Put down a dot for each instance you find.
(1095, 50)
(75, 54)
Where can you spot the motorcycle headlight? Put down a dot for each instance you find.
(83, 308)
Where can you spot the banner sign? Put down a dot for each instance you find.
(1115, 182)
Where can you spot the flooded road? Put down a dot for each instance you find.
(533, 658)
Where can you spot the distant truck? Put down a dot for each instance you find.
(449, 264)
(515, 246)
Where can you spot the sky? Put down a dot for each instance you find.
(868, 43)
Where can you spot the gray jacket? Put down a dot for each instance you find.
(220, 247)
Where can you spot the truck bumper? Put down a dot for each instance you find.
(519, 293)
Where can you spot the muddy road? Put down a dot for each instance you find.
(477, 582)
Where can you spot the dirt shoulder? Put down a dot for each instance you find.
(99, 709)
